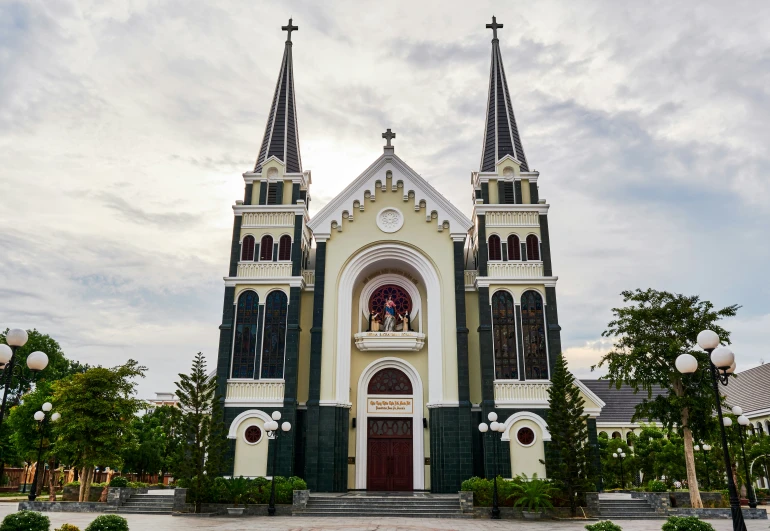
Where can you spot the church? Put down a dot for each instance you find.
(388, 325)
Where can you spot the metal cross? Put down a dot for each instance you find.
(289, 29)
(494, 27)
(388, 135)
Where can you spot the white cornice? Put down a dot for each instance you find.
(477, 178)
(540, 208)
(293, 282)
(485, 282)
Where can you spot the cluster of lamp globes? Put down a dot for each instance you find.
(36, 361)
(493, 424)
(40, 415)
(722, 357)
(620, 454)
(743, 420)
(706, 447)
(272, 425)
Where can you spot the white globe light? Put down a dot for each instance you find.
(492, 416)
(722, 357)
(743, 420)
(493, 425)
(483, 427)
(271, 425)
(708, 339)
(6, 353)
(614, 455)
(55, 417)
(707, 447)
(39, 415)
(276, 415)
(286, 426)
(501, 427)
(47, 407)
(730, 369)
(686, 363)
(37, 361)
(737, 411)
(696, 447)
(16, 337)
(727, 421)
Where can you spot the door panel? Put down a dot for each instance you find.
(378, 460)
(389, 455)
(401, 468)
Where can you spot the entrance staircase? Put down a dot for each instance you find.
(148, 504)
(618, 506)
(380, 504)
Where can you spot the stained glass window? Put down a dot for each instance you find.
(495, 250)
(533, 248)
(252, 434)
(525, 436)
(245, 341)
(533, 335)
(514, 247)
(266, 249)
(390, 382)
(399, 295)
(247, 249)
(274, 341)
(504, 334)
(284, 247)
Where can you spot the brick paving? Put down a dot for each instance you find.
(141, 522)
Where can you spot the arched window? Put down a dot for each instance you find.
(514, 247)
(759, 428)
(284, 247)
(266, 249)
(533, 335)
(495, 251)
(767, 427)
(504, 334)
(245, 342)
(274, 340)
(247, 249)
(616, 435)
(390, 381)
(533, 249)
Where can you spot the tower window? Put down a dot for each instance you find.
(272, 193)
(245, 338)
(266, 249)
(533, 336)
(508, 195)
(533, 248)
(274, 341)
(284, 248)
(247, 249)
(514, 248)
(495, 249)
(504, 336)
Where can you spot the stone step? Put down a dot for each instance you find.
(142, 510)
(383, 502)
(386, 514)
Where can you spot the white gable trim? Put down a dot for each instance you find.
(590, 394)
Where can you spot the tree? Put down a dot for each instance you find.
(201, 454)
(569, 450)
(153, 442)
(650, 333)
(611, 477)
(97, 407)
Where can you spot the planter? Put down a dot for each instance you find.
(528, 515)
(235, 511)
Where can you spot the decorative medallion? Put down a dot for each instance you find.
(525, 436)
(390, 219)
(252, 434)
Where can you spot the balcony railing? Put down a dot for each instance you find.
(309, 276)
(254, 391)
(513, 219)
(470, 277)
(515, 269)
(522, 392)
(264, 269)
(267, 219)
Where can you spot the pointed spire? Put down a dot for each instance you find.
(501, 135)
(281, 134)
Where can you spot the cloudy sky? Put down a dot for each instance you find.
(125, 126)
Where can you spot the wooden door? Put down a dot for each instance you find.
(389, 455)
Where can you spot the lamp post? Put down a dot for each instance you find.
(743, 422)
(705, 448)
(622, 457)
(37, 361)
(272, 431)
(43, 419)
(492, 428)
(720, 366)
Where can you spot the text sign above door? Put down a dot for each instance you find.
(388, 406)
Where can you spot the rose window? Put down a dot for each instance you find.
(397, 293)
(253, 434)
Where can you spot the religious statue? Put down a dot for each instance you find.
(390, 315)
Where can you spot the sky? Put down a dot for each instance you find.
(125, 127)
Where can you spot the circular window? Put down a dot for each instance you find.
(525, 436)
(253, 434)
(390, 219)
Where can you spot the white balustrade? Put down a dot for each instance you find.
(267, 219)
(470, 277)
(515, 269)
(521, 392)
(254, 391)
(264, 269)
(512, 219)
(309, 276)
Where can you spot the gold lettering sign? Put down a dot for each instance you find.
(386, 406)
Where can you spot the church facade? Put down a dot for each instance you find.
(388, 325)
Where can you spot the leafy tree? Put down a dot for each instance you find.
(650, 333)
(758, 453)
(569, 452)
(201, 455)
(611, 465)
(97, 407)
(153, 442)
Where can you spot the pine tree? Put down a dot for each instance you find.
(569, 452)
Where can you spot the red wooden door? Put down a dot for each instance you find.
(389, 455)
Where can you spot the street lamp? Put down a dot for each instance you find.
(43, 419)
(743, 422)
(721, 366)
(492, 428)
(622, 457)
(37, 361)
(705, 448)
(272, 432)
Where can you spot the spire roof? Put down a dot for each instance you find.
(501, 135)
(281, 134)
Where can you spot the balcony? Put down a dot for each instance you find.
(245, 391)
(264, 269)
(470, 278)
(521, 393)
(390, 341)
(515, 269)
(309, 276)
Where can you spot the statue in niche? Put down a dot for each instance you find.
(390, 308)
(390, 315)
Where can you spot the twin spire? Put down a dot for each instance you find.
(501, 135)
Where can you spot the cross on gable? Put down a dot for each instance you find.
(289, 29)
(494, 27)
(388, 135)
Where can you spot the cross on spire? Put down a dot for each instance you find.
(494, 27)
(388, 136)
(289, 29)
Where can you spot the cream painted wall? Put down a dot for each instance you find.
(494, 196)
(525, 197)
(250, 459)
(526, 460)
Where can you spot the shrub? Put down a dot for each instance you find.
(25, 521)
(137, 485)
(606, 525)
(108, 522)
(119, 481)
(656, 486)
(534, 493)
(72, 484)
(482, 491)
(686, 523)
(68, 527)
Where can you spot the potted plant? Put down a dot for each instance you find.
(533, 495)
(237, 489)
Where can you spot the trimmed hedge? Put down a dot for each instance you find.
(26, 521)
(119, 481)
(108, 522)
(686, 523)
(68, 527)
(605, 525)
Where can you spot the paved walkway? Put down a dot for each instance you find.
(142, 522)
